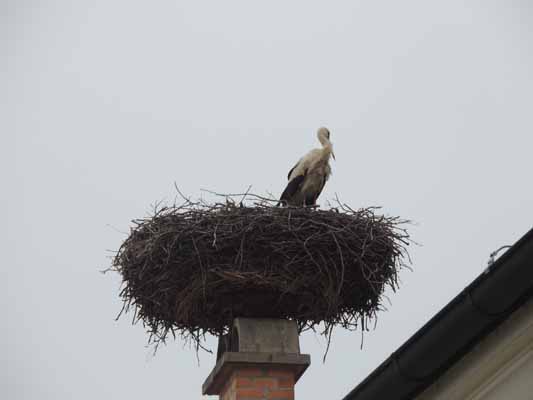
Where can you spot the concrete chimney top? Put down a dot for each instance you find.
(258, 359)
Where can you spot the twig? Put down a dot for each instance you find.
(189, 269)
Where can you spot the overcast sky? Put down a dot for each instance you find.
(104, 104)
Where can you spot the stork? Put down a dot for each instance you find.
(308, 177)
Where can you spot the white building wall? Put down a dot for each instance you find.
(499, 368)
(514, 383)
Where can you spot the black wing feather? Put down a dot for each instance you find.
(291, 189)
(292, 169)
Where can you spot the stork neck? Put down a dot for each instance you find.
(324, 141)
(327, 145)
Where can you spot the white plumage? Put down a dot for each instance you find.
(308, 177)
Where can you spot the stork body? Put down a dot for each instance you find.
(308, 177)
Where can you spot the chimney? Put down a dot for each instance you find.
(259, 360)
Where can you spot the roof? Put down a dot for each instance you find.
(481, 307)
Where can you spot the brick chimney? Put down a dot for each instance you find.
(259, 360)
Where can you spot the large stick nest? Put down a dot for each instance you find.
(190, 269)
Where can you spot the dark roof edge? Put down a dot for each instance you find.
(483, 305)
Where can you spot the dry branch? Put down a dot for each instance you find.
(190, 269)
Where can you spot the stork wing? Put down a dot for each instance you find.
(292, 169)
(292, 188)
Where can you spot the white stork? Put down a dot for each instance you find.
(308, 177)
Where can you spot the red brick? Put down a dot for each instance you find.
(270, 383)
(252, 393)
(281, 395)
(243, 382)
(280, 374)
(239, 397)
(284, 383)
(260, 384)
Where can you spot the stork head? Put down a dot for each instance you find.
(323, 137)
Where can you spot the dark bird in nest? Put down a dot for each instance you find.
(308, 177)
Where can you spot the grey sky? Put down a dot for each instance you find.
(104, 104)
